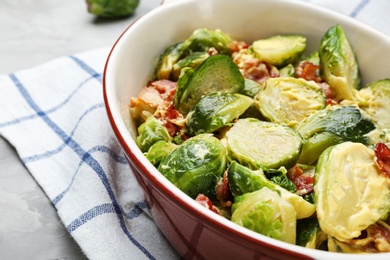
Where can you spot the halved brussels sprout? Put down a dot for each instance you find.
(309, 233)
(158, 151)
(150, 132)
(350, 192)
(265, 212)
(375, 101)
(338, 64)
(280, 50)
(167, 60)
(251, 88)
(193, 60)
(243, 180)
(258, 144)
(218, 73)
(203, 39)
(331, 126)
(287, 71)
(196, 165)
(216, 110)
(289, 100)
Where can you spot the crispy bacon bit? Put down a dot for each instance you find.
(236, 46)
(304, 182)
(375, 239)
(207, 203)
(308, 71)
(329, 94)
(166, 88)
(213, 51)
(252, 68)
(382, 158)
(224, 195)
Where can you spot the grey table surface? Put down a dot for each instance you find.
(33, 32)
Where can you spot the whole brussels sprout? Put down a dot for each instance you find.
(196, 165)
(150, 132)
(338, 64)
(265, 212)
(216, 110)
(350, 192)
(112, 8)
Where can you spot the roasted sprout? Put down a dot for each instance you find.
(243, 180)
(112, 8)
(375, 101)
(196, 165)
(279, 50)
(158, 151)
(350, 192)
(150, 132)
(331, 126)
(216, 110)
(339, 66)
(218, 73)
(309, 233)
(289, 100)
(265, 212)
(258, 144)
(193, 60)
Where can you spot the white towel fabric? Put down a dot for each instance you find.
(54, 116)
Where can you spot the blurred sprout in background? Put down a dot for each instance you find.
(112, 8)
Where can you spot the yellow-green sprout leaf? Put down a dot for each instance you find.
(350, 193)
(289, 100)
(279, 50)
(256, 143)
(265, 212)
(339, 65)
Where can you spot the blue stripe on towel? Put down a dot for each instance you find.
(83, 155)
(359, 8)
(51, 110)
(100, 148)
(47, 154)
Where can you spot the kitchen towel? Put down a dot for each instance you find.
(54, 116)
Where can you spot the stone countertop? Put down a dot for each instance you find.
(33, 32)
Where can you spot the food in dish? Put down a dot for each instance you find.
(284, 143)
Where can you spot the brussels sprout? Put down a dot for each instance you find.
(158, 151)
(279, 50)
(314, 58)
(263, 144)
(203, 39)
(309, 233)
(150, 132)
(112, 8)
(193, 60)
(350, 192)
(168, 59)
(196, 165)
(251, 88)
(265, 212)
(287, 71)
(243, 180)
(331, 126)
(216, 110)
(218, 73)
(289, 100)
(338, 64)
(376, 102)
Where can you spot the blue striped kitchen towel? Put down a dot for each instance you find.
(54, 116)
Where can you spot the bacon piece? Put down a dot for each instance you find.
(375, 239)
(207, 203)
(224, 195)
(382, 158)
(303, 182)
(308, 71)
